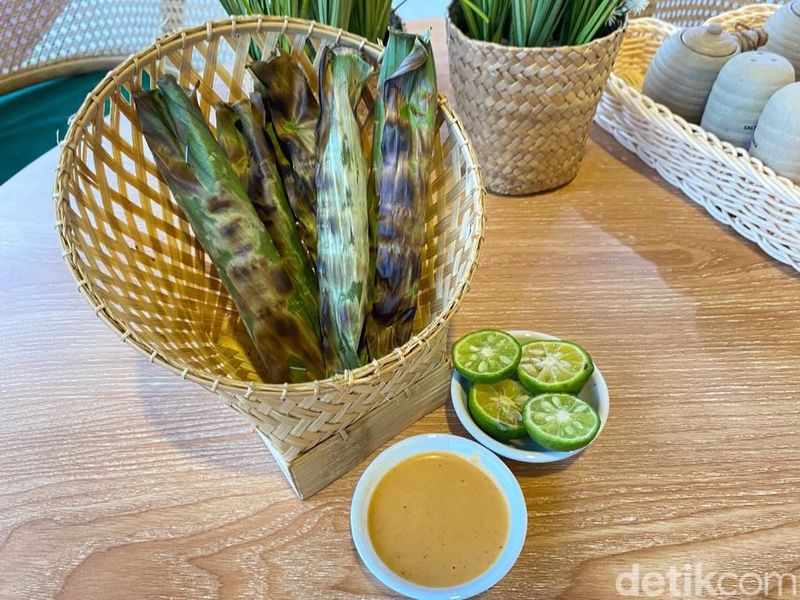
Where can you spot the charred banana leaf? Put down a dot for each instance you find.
(294, 113)
(405, 122)
(197, 171)
(265, 188)
(342, 215)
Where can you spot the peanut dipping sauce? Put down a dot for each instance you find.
(438, 520)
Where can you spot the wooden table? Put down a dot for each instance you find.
(118, 480)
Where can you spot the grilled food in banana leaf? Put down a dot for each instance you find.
(342, 214)
(232, 141)
(197, 171)
(405, 122)
(294, 113)
(265, 188)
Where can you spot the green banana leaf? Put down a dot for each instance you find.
(232, 141)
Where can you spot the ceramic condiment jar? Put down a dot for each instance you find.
(685, 67)
(740, 92)
(777, 132)
(783, 28)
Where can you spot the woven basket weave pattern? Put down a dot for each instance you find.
(733, 187)
(528, 110)
(139, 265)
(685, 13)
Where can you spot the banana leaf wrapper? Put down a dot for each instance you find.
(294, 112)
(342, 208)
(405, 125)
(241, 133)
(266, 191)
(284, 166)
(233, 143)
(222, 217)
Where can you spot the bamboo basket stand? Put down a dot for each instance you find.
(138, 264)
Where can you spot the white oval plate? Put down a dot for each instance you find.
(478, 455)
(595, 393)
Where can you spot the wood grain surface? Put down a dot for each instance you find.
(119, 480)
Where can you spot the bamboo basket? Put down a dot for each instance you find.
(735, 188)
(528, 110)
(138, 264)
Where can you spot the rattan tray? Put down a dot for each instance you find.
(735, 188)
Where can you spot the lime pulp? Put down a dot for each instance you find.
(560, 421)
(554, 366)
(497, 408)
(487, 355)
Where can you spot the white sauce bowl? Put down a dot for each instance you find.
(480, 457)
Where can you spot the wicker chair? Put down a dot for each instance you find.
(55, 38)
(686, 13)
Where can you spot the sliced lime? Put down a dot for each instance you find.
(560, 421)
(487, 355)
(497, 408)
(554, 366)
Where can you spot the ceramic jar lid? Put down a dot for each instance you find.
(710, 40)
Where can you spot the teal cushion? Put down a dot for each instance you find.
(30, 117)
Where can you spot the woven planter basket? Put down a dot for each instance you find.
(733, 187)
(138, 264)
(528, 110)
